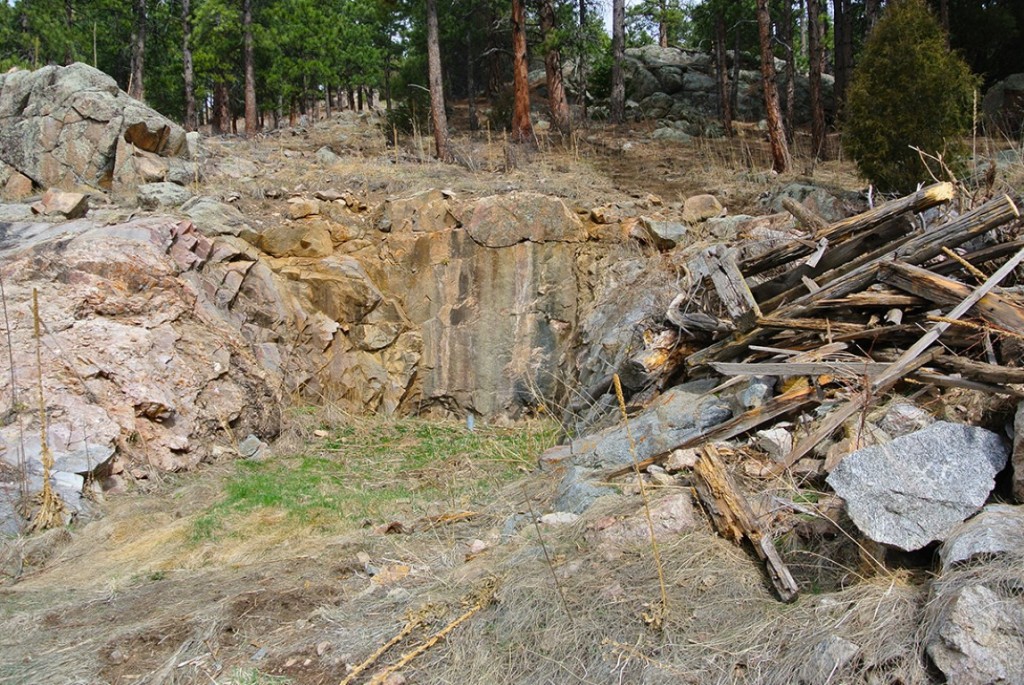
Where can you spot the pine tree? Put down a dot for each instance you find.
(908, 91)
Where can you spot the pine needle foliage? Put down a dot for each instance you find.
(908, 91)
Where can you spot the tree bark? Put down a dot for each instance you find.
(722, 72)
(787, 37)
(251, 113)
(135, 82)
(816, 50)
(522, 128)
(438, 117)
(557, 101)
(221, 120)
(186, 65)
(618, 96)
(842, 30)
(872, 9)
(662, 24)
(69, 19)
(776, 133)
(581, 66)
(474, 120)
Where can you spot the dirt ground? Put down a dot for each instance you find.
(137, 595)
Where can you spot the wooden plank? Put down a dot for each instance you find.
(994, 308)
(844, 255)
(818, 325)
(898, 368)
(719, 262)
(877, 298)
(804, 216)
(979, 257)
(945, 381)
(923, 199)
(980, 371)
(793, 399)
(734, 519)
(869, 369)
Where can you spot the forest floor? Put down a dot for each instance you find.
(357, 531)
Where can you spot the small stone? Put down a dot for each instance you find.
(327, 157)
(701, 207)
(322, 647)
(394, 679)
(156, 195)
(776, 442)
(320, 433)
(679, 460)
(663, 479)
(328, 195)
(249, 446)
(902, 418)
(18, 187)
(559, 518)
(476, 547)
(299, 208)
(828, 658)
(69, 205)
(665, 234)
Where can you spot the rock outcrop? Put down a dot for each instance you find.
(73, 128)
(679, 85)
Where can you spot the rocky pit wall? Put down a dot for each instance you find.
(170, 339)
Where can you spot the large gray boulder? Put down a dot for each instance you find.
(1003, 104)
(71, 126)
(919, 487)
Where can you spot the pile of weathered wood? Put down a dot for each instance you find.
(908, 292)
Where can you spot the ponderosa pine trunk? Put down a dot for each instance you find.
(816, 50)
(722, 72)
(787, 38)
(842, 31)
(522, 128)
(581, 66)
(662, 24)
(557, 101)
(186, 65)
(618, 95)
(135, 81)
(438, 117)
(221, 118)
(251, 114)
(474, 120)
(69, 21)
(776, 133)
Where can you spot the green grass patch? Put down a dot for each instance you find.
(377, 471)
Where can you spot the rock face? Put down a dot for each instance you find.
(917, 488)
(138, 361)
(71, 127)
(496, 300)
(979, 638)
(1018, 453)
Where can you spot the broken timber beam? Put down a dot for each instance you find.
(804, 217)
(981, 371)
(719, 264)
(923, 199)
(865, 368)
(993, 307)
(734, 519)
(911, 360)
